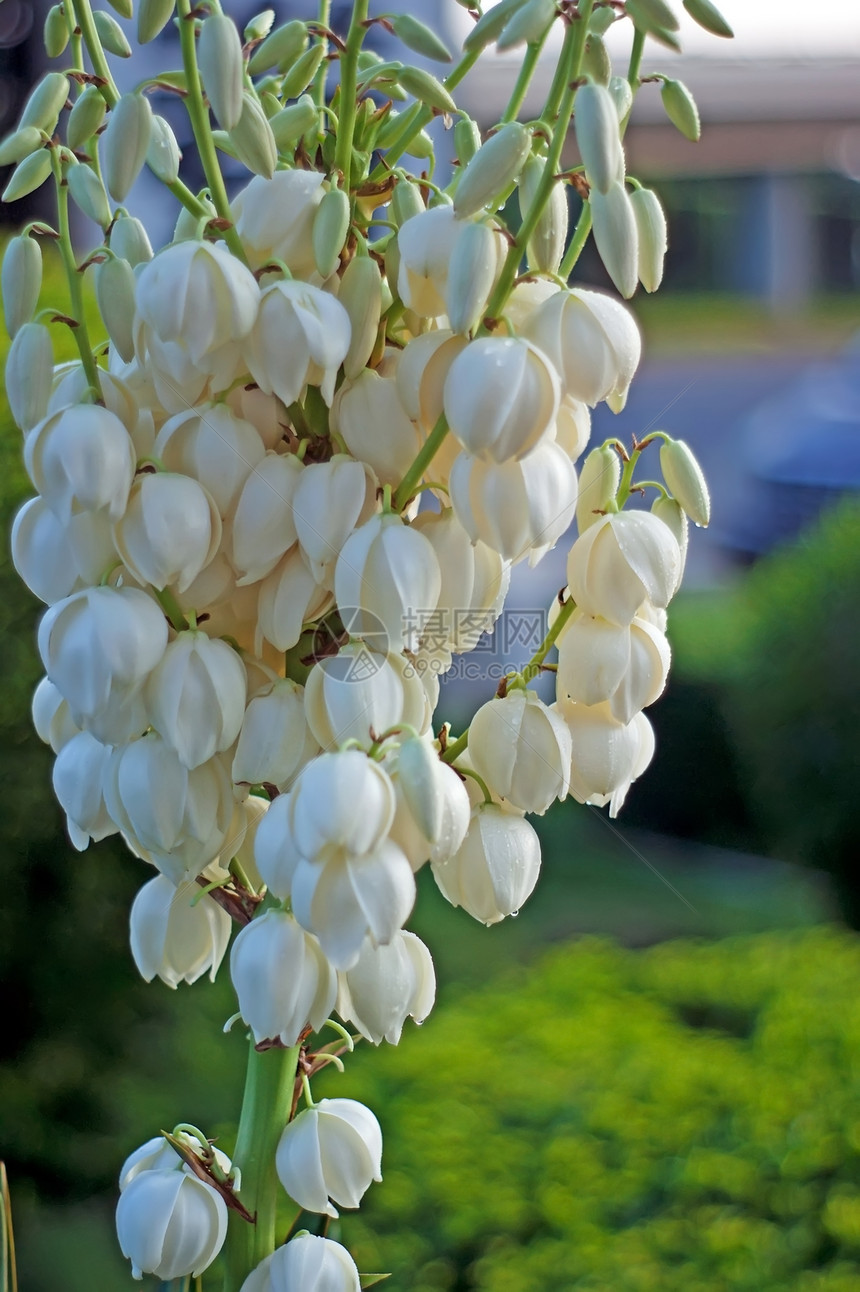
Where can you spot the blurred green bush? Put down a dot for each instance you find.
(684, 1118)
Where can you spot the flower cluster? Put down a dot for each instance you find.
(321, 431)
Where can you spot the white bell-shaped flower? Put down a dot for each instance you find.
(501, 398)
(78, 778)
(496, 868)
(475, 582)
(71, 385)
(247, 818)
(90, 538)
(307, 1262)
(98, 647)
(330, 1151)
(591, 340)
(521, 748)
(275, 741)
(262, 529)
(289, 597)
(157, 1155)
(432, 810)
(282, 979)
(196, 696)
(620, 561)
(216, 447)
(41, 552)
(626, 666)
(607, 755)
(421, 374)
(425, 243)
(274, 218)
(179, 817)
(331, 499)
(387, 985)
(197, 296)
(359, 691)
(307, 324)
(170, 1224)
(322, 814)
(81, 459)
(264, 412)
(573, 426)
(170, 531)
(173, 938)
(52, 718)
(518, 508)
(275, 852)
(368, 413)
(347, 897)
(388, 574)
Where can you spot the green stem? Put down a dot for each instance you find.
(199, 116)
(81, 332)
(171, 608)
(577, 242)
(324, 20)
(456, 748)
(410, 482)
(627, 479)
(84, 16)
(265, 1112)
(636, 52)
(534, 665)
(527, 71)
(348, 90)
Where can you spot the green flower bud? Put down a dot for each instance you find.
(529, 24)
(152, 17)
(467, 140)
(130, 241)
(125, 8)
(111, 34)
(622, 95)
(125, 144)
(616, 236)
(406, 200)
(299, 77)
(222, 69)
(85, 118)
(686, 480)
(29, 371)
(115, 296)
(707, 15)
(281, 48)
(471, 275)
(422, 39)
(681, 108)
(45, 104)
(163, 155)
(20, 144)
(599, 479)
(601, 20)
(259, 26)
(20, 281)
(89, 194)
(672, 516)
(651, 228)
(653, 14)
(596, 125)
(253, 140)
(640, 13)
(489, 27)
(28, 175)
(330, 227)
(291, 123)
(269, 102)
(547, 243)
(596, 63)
(56, 32)
(422, 146)
(492, 170)
(190, 226)
(361, 296)
(427, 89)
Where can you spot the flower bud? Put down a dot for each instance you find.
(330, 1151)
(358, 690)
(528, 25)
(622, 95)
(152, 17)
(291, 123)
(386, 986)
(368, 414)
(311, 326)
(651, 228)
(125, 143)
(51, 717)
(686, 480)
(522, 750)
(163, 155)
(361, 296)
(282, 979)
(596, 125)
(81, 458)
(88, 192)
(547, 244)
(219, 57)
(280, 49)
(607, 755)
(601, 662)
(20, 144)
(620, 561)
(29, 369)
(275, 740)
(196, 697)
(46, 102)
(501, 398)
(490, 25)
(424, 87)
(591, 340)
(708, 16)
(111, 35)
(492, 170)
(517, 508)
(41, 552)
(170, 1223)
(596, 63)
(680, 108)
(307, 1262)
(416, 36)
(115, 284)
(56, 31)
(670, 512)
(302, 72)
(130, 241)
(174, 938)
(616, 236)
(322, 815)
(387, 573)
(598, 484)
(29, 174)
(252, 139)
(289, 597)
(472, 273)
(77, 780)
(274, 219)
(496, 868)
(331, 499)
(20, 281)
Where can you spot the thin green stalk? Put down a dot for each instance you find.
(627, 479)
(84, 16)
(534, 665)
(9, 1268)
(524, 80)
(348, 90)
(456, 748)
(324, 20)
(199, 116)
(577, 242)
(171, 608)
(425, 456)
(636, 52)
(265, 1112)
(73, 277)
